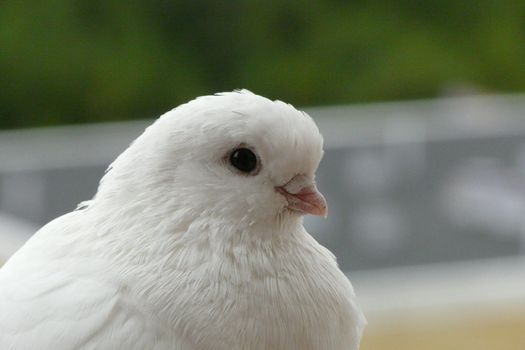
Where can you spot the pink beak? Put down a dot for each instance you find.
(303, 196)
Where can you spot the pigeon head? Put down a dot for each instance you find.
(232, 156)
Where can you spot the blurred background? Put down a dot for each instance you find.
(420, 103)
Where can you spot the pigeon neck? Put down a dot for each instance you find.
(136, 220)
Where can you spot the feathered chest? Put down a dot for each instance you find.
(262, 296)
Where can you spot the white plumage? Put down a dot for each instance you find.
(180, 250)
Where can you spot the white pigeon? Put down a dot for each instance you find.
(194, 240)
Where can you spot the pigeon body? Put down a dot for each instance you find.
(193, 241)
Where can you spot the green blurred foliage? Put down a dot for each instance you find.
(70, 61)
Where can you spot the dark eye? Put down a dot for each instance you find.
(244, 160)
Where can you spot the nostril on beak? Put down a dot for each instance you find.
(302, 196)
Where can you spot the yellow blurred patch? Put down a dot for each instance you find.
(474, 331)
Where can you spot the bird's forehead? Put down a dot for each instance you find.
(286, 139)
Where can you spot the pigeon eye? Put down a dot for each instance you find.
(244, 160)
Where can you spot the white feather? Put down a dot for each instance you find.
(177, 251)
